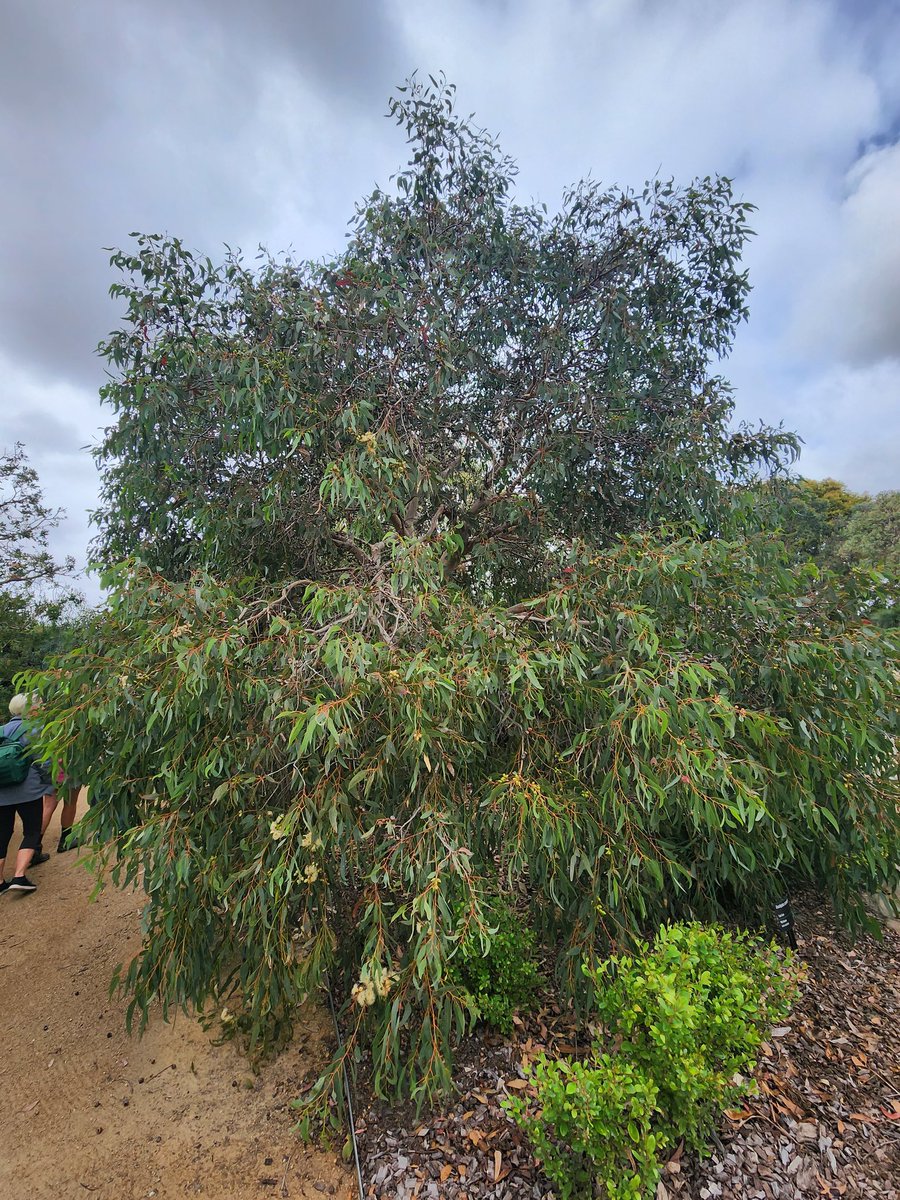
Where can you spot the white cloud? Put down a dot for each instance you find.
(851, 419)
(852, 307)
(625, 88)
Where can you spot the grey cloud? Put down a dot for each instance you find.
(220, 121)
(117, 117)
(851, 417)
(345, 45)
(217, 122)
(43, 432)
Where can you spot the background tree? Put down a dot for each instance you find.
(814, 515)
(31, 633)
(871, 536)
(871, 539)
(26, 563)
(35, 607)
(443, 579)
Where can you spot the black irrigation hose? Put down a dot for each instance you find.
(347, 1095)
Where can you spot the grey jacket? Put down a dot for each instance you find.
(38, 782)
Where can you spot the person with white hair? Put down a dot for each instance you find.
(23, 786)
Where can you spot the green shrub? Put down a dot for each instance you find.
(496, 966)
(690, 1012)
(686, 1016)
(595, 1123)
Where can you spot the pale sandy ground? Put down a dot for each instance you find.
(88, 1113)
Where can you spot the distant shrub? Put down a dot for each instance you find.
(497, 967)
(686, 1016)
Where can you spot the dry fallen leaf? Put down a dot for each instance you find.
(446, 1172)
(738, 1115)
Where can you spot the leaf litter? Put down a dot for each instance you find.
(824, 1121)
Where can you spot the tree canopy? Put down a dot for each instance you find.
(34, 606)
(871, 536)
(814, 514)
(434, 576)
(471, 372)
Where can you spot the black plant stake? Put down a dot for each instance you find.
(784, 921)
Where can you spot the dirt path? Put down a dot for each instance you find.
(92, 1114)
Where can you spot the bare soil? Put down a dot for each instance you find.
(89, 1113)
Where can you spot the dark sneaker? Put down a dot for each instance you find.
(4, 886)
(39, 857)
(21, 884)
(68, 841)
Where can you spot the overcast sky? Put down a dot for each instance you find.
(221, 121)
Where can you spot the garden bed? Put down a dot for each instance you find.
(825, 1122)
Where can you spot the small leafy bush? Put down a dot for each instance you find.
(690, 1011)
(685, 1016)
(595, 1123)
(497, 968)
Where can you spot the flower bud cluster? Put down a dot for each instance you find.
(372, 987)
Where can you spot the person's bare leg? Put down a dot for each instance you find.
(23, 861)
(49, 809)
(67, 820)
(69, 808)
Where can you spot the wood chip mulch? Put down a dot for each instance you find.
(825, 1122)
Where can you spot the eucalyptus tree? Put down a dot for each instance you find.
(469, 369)
(430, 577)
